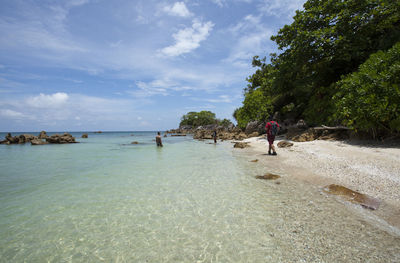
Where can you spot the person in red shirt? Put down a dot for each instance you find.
(272, 128)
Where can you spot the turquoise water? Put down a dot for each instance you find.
(107, 200)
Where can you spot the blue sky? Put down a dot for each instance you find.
(83, 65)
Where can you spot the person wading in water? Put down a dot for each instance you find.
(158, 140)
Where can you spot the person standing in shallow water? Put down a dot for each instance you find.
(272, 128)
(158, 140)
(215, 136)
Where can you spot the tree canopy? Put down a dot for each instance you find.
(327, 41)
(202, 118)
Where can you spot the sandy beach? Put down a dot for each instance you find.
(363, 167)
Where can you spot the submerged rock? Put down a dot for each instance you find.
(135, 142)
(284, 144)
(268, 176)
(241, 145)
(353, 196)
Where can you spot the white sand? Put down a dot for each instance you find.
(374, 171)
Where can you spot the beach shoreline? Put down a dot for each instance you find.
(369, 169)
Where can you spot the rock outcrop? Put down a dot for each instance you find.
(42, 135)
(255, 127)
(38, 140)
(85, 135)
(317, 133)
(61, 139)
(23, 138)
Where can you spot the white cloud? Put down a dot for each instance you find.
(220, 3)
(156, 87)
(281, 8)
(178, 9)
(48, 101)
(253, 38)
(218, 99)
(7, 113)
(188, 39)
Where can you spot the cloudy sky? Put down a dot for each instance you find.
(82, 65)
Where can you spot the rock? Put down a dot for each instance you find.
(255, 126)
(284, 144)
(254, 134)
(135, 142)
(301, 124)
(85, 135)
(165, 135)
(10, 139)
(241, 145)
(353, 196)
(65, 138)
(42, 135)
(254, 161)
(98, 132)
(299, 135)
(38, 142)
(268, 176)
(240, 136)
(23, 138)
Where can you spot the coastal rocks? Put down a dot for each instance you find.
(38, 142)
(135, 142)
(42, 135)
(255, 126)
(268, 176)
(241, 145)
(353, 196)
(254, 134)
(318, 133)
(301, 124)
(61, 139)
(23, 138)
(85, 135)
(284, 144)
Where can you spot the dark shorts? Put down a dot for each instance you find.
(271, 139)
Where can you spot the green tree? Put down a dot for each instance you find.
(369, 99)
(196, 119)
(256, 107)
(328, 39)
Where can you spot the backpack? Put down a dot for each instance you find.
(274, 128)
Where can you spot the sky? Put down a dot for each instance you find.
(129, 65)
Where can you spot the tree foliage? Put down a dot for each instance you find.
(369, 99)
(256, 107)
(196, 119)
(327, 40)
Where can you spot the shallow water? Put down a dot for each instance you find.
(107, 200)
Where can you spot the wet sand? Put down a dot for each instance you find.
(363, 167)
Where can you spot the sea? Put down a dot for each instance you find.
(105, 199)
